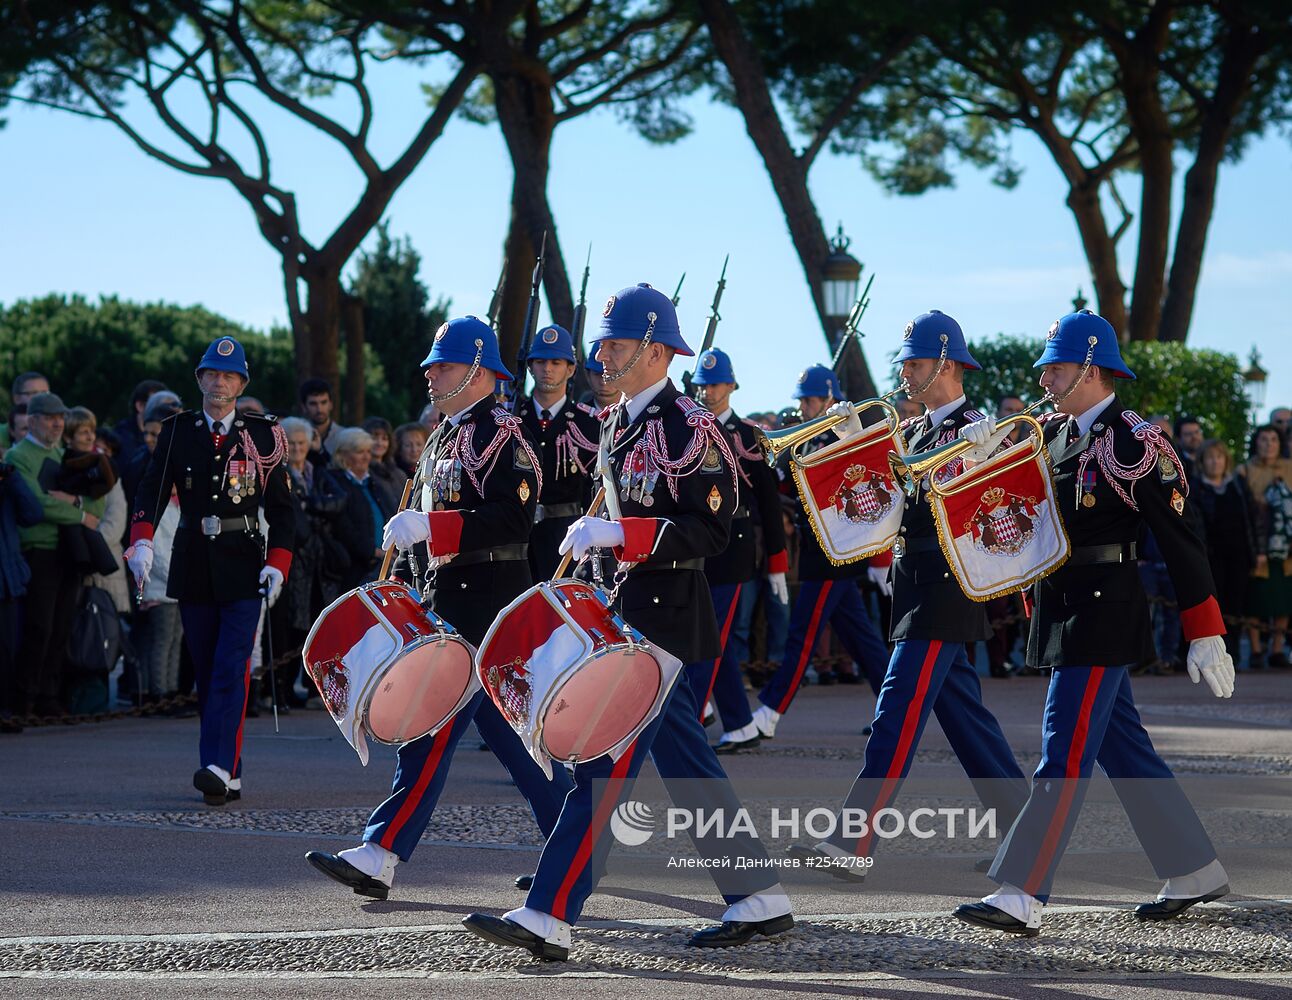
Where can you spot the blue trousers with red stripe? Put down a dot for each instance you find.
(720, 678)
(838, 602)
(220, 639)
(1090, 718)
(422, 768)
(933, 676)
(575, 855)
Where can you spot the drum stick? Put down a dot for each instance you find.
(390, 552)
(592, 512)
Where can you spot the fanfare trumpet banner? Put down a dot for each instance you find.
(849, 492)
(571, 677)
(998, 523)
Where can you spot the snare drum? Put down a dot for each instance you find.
(388, 667)
(570, 676)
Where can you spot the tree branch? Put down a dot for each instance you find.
(640, 72)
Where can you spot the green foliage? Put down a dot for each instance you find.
(1172, 379)
(399, 320)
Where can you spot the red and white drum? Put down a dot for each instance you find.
(572, 678)
(388, 667)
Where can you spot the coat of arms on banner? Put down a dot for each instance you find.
(864, 495)
(508, 685)
(334, 686)
(1004, 523)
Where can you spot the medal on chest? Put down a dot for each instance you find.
(239, 479)
(446, 482)
(637, 477)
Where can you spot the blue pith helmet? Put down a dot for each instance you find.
(225, 355)
(817, 381)
(627, 313)
(464, 341)
(713, 367)
(592, 363)
(552, 342)
(1069, 341)
(923, 339)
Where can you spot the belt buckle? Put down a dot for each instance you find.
(899, 547)
(210, 526)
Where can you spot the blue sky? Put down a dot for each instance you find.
(87, 212)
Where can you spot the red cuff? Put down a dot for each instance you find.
(639, 539)
(280, 559)
(778, 562)
(882, 560)
(446, 532)
(141, 530)
(1202, 620)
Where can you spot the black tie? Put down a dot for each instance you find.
(1074, 431)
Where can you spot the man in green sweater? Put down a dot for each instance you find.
(52, 592)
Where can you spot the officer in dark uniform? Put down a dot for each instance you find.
(932, 619)
(481, 478)
(567, 436)
(827, 593)
(225, 468)
(603, 394)
(1114, 475)
(672, 493)
(730, 572)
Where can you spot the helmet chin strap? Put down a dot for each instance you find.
(440, 397)
(1080, 376)
(609, 376)
(928, 382)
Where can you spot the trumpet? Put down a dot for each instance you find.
(792, 439)
(909, 470)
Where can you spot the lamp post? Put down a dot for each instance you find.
(840, 276)
(1254, 386)
(1079, 301)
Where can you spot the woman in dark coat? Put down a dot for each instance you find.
(369, 505)
(1226, 507)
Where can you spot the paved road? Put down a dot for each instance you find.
(113, 870)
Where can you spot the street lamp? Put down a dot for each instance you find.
(1079, 301)
(840, 276)
(1254, 385)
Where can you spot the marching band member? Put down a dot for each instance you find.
(827, 593)
(1114, 474)
(731, 571)
(481, 480)
(672, 487)
(567, 439)
(225, 468)
(932, 619)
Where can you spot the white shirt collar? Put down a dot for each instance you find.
(37, 442)
(457, 417)
(1086, 420)
(725, 415)
(225, 424)
(554, 409)
(945, 410)
(637, 405)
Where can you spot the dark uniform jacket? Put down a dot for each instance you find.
(927, 601)
(246, 474)
(813, 564)
(760, 504)
(1093, 611)
(484, 520)
(668, 537)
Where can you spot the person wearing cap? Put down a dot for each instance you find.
(25, 386)
(567, 438)
(733, 574)
(671, 492)
(225, 470)
(50, 604)
(932, 620)
(1114, 475)
(604, 394)
(481, 478)
(827, 593)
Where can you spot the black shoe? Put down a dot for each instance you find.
(849, 678)
(709, 719)
(214, 791)
(735, 746)
(998, 670)
(1278, 661)
(340, 870)
(731, 933)
(994, 919)
(813, 857)
(524, 882)
(508, 933)
(233, 794)
(867, 729)
(827, 677)
(1165, 909)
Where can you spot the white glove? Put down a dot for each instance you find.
(879, 577)
(139, 557)
(780, 589)
(591, 533)
(1208, 658)
(271, 577)
(848, 427)
(406, 529)
(985, 436)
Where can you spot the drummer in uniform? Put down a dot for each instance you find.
(827, 593)
(736, 567)
(481, 478)
(672, 489)
(567, 438)
(932, 619)
(225, 468)
(1115, 474)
